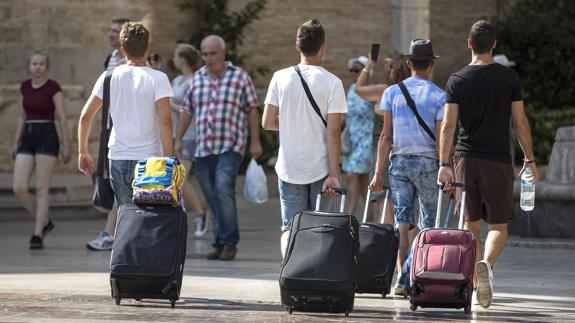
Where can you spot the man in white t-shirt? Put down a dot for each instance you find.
(308, 159)
(140, 111)
(105, 239)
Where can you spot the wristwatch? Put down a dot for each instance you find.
(443, 164)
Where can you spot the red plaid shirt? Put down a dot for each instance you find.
(221, 108)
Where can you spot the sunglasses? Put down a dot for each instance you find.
(354, 70)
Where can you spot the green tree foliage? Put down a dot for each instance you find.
(538, 36)
(216, 18)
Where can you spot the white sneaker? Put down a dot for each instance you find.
(103, 242)
(485, 283)
(201, 225)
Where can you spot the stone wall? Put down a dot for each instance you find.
(351, 28)
(450, 21)
(74, 34)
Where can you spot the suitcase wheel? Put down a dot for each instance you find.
(118, 299)
(383, 295)
(138, 299)
(289, 309)
(173, 303)
(413, 307)
(346, 313)
(467, 309)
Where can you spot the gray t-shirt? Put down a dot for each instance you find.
(180, 87)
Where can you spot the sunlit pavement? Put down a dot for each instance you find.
(67, 282)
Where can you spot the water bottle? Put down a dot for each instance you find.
(527, 200)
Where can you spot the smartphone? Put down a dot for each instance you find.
(374, 51)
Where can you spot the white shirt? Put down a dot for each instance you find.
(134, 91)
(302, 157)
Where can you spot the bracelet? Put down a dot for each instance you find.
(443, 164)
(365, 70)
(527, 161)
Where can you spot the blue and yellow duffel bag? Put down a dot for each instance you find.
(158, 180)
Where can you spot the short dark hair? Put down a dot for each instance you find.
(482, 36)
(134, 39)
(310, 37)
(420, 65)
(120, 21)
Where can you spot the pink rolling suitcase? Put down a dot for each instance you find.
(443, 263)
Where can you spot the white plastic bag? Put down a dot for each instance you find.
(255, 186)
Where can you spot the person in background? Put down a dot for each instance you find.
(185, 59)
(394, 71)
(155, 61)
(223, 100)
(105, 239)
(36, 146)
(359, 124)
(116, 57)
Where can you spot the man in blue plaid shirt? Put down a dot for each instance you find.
(223, 99)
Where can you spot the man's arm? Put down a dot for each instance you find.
(523, 133)
(445, 139)
(333, 152)
(165, 125)
(270, 120)
(383, 150)
(255, 145)
(85, 161)
(183, 123)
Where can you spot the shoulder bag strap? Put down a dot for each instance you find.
(411, 105)
(106, 126)
(309, 96)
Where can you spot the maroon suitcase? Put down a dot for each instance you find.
(443, 264)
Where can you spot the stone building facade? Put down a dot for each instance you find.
(74, 34)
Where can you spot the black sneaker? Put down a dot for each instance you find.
(48, 228)
(36, 242)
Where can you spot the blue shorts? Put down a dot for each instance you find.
(297, 197)
(410, 175)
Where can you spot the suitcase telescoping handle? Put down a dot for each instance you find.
(340, 191)
(450, 205)
(369, 200)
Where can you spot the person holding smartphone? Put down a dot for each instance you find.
(359, 124)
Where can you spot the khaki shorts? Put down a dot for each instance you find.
(489, 189)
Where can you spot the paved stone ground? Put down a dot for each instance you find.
(65, 282)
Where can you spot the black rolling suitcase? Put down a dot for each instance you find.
(320, 266)
(378, 248)
(149, 253)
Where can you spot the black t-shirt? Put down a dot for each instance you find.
(484, 94)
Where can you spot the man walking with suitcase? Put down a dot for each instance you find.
(140, 112)
(308, 159)
(412, 113)
(481, 98)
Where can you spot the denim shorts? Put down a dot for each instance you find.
(297, 197)
(411, 175)
(121, 178)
